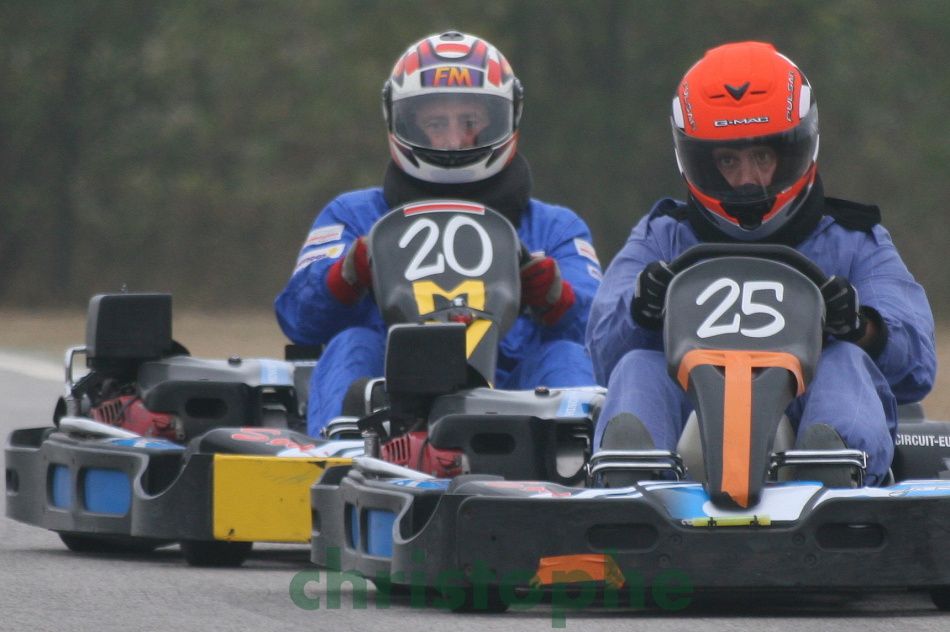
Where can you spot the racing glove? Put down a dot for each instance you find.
(350, 277)
(650, 294)
(843, 319)
(544, 290)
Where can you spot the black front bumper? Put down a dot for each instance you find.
(443, 538)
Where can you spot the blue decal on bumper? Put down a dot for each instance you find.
(61, 487)
(379, 532)
(107, 491)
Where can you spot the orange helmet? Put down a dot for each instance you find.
(745, 129)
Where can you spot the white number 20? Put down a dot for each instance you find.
(711, 326)
(417, 269)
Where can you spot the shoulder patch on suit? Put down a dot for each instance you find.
(308, 257)
(324, 234)
(586, 249)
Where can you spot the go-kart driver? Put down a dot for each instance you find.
(452, 106)
(745, 128)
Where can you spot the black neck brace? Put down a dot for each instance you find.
(508, 192)
(792, 233)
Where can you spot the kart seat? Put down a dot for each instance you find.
(690, 446)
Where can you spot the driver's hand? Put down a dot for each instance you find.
(650, 294)
(350, 277)
(544, 290)
(843, 319)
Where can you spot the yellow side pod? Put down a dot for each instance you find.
(264, 498)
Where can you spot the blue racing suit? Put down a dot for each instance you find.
(852, 392)
(530, 353)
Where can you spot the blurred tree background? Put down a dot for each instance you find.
(186, 146)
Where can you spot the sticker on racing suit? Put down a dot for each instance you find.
(323, 235)
(595, 272)
(309, 256)
(586, 249)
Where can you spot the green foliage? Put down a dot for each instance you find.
(186, 146)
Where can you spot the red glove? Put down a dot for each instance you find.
(543, 289)
(350, 276)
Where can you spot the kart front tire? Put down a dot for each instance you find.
(492, 604)
(80, 543)
(215, 553)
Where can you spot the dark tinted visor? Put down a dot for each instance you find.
(749, 169)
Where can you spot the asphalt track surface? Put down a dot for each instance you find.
(43, 586)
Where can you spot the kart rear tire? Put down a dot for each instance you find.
(80, 543)
(215, 553)
(941, 597)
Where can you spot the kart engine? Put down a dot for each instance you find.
(129, 413)
(413, 450)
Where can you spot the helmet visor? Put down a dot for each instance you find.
(752, 169)
(452, 121)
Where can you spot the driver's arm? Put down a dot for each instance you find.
(564, 237)
(306, 309)
(883, 283)
(611, 330)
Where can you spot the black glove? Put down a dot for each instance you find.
(650, 294)
(843, 318)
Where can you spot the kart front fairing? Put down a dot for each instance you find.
(153, 446)
(760, 530)
(799, 535)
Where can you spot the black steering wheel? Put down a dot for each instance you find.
(774, 252)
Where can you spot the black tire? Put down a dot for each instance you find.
(215, 553)
(80, 543)
(941, 597)
(493, 604)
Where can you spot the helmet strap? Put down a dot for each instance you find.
(749, 215)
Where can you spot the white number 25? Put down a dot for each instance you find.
(711, 327)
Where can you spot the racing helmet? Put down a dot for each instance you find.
(452, 106)
(745, 132)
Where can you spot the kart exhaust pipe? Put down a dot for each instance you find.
(380, 468)
(85, 426)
